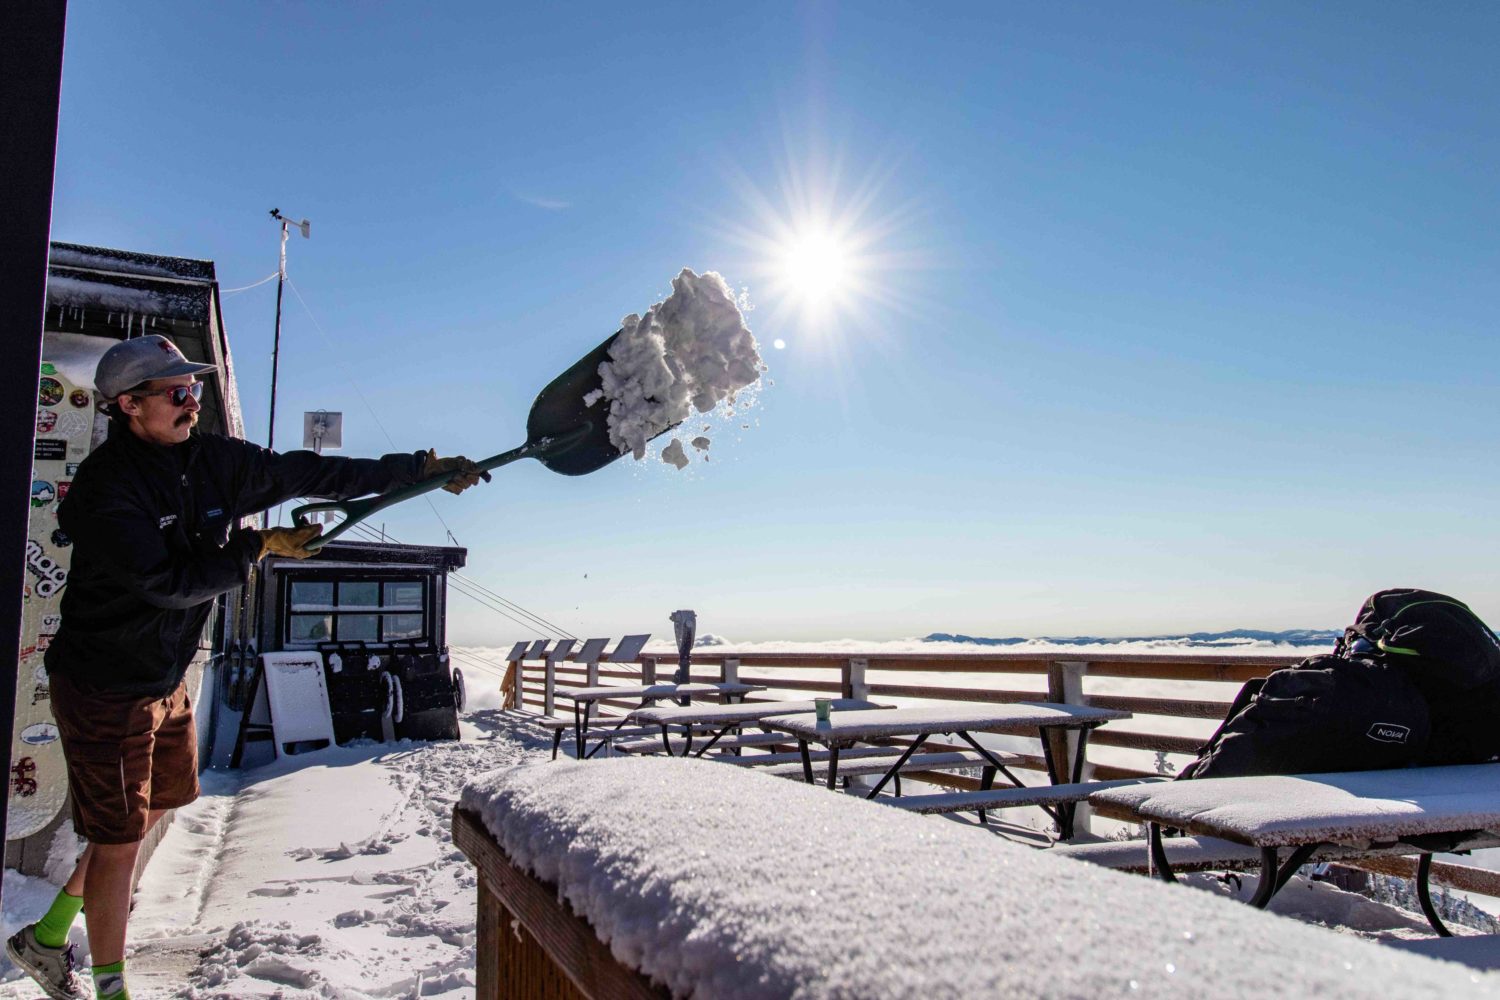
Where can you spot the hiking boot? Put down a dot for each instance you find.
(52, 968)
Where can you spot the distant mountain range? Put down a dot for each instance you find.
(1234, 638)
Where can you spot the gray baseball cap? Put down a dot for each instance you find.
(141, 359)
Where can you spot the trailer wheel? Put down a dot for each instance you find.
(460, 693)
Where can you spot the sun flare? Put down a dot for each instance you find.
(828, 256)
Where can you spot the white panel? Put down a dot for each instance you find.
(299, 698)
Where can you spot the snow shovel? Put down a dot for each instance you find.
(562, 433)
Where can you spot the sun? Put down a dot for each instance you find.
(816, 267)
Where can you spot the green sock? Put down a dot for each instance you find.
(109, 981)
(52, 929)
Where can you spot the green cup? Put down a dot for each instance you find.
(822, 706)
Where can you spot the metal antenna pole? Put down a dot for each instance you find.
(276, 344)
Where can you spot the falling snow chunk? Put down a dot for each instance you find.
(690, 352)
(674, 455)
(701, 443)
(593, 397)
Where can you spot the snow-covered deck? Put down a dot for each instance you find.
(333, 874)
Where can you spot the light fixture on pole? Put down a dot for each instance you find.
(322, 431)
(305, 228)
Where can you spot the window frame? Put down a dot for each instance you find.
(335, 610)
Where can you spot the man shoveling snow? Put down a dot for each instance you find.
(154, 514)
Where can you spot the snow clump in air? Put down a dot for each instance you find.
(673, 454)
(691, 351)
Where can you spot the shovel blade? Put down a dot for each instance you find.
(559, 410)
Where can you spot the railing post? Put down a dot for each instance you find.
(729, 670)
(855, 683)
(648, 670)
(1065, 686)
(549, 684)
(510, 687)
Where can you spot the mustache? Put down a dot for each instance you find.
(187, 418)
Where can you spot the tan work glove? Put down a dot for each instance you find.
(467, 473)
(287, 541)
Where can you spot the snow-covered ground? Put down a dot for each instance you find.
(333, 875)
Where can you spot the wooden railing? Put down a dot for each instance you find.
(1135, 748)
(1012, 676)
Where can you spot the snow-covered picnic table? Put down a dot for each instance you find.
(584, 699)
(1428, 809)
(774, 889)
(723, 718)
(842, 730)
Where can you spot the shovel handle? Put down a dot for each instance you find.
(355, 511)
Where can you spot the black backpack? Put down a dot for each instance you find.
(1328, 713)
(1441, 643)
(1451, 656)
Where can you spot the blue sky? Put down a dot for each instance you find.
(1155, 316)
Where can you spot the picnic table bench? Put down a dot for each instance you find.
(728, 717)
(1419, 810)
(1008, 798)
(843, 730)
(584, 699)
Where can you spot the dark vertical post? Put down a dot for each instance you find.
(684, 626)
(30, 89)
(276, 344)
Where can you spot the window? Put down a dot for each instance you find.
(373, 611)
(401, 627)
(311, 594)
(310, 628)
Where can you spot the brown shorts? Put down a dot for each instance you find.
(126, 755)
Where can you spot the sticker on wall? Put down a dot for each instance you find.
(51, 576)
(42, 493)
(49, 392)
(72, 423)
(50, 450)
(80, 398)
(39, 734)
(45, 420)
(60, 538)
(62, 488)
(23, 778)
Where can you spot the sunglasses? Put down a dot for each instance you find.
(177, 395)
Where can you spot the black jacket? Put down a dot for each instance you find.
(156, 539)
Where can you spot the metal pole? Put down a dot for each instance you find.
(276, 344)
(30, 82)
